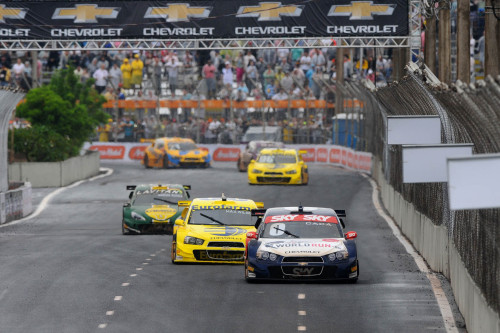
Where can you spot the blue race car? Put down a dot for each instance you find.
(306, 243)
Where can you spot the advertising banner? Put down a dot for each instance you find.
(321, 154)
(121, 20)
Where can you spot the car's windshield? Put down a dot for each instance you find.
(222, 217)
(303, 229)
(277, 158)
(159, 197)
(181, 146)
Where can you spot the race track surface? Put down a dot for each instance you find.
(71, 270)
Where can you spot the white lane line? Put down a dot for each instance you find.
(145, 263)
(302, 313)
(110, 313)
(444, 305)
(139, 269)
(45, 201)
(301, 328)
(125, 284)
(102, 325)
(133, 275)
(118, 298)
(152, 255)
(301, 296)
(148, 259)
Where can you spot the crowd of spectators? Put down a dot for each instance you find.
(239, 75)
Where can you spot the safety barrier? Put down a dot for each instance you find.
(15, 203)
(321, 154)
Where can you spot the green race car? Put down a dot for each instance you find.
(153, 208)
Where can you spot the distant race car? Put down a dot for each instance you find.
(213, 230)
(175, 152)
(278, 166)
(153, 207)
(301, 243)
(251, 151)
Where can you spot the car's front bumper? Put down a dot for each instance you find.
(345, 270)
(149, 227)
(217, 255)
(285, 179)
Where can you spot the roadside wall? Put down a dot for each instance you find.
(56, 174)
(432, 242)
(325, 154)
(15, 204)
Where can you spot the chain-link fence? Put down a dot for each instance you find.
(468, 115)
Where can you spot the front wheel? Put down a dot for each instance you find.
(146, 162)
(174, 250)
(304, 178)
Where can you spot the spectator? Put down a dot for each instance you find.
(251, 75)
(126, 69)
(157, 67)
(286, 82)
(4, 75)
(280, 96)
(269, 75)
(137, 68)
(480, 49)
(296, 54)
(128, 129)
(305, 62)
(227, 74)
(172, 67)
(298, 76)
(285, 66)
(318, 60)
(18, 71)
(347, 67)
(103, 61)
(240, 67)
(104, 131)
(249, 57)
(115, 76)
(209, 74)
(101, 78)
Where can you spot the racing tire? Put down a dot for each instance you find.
(302, 178)
(166, 162)
(174, 250)
(146, 162)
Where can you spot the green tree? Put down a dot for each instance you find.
(66, 108)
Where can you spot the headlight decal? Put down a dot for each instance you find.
(138, 217)
(193, 240)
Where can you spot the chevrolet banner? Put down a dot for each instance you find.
(236, 19)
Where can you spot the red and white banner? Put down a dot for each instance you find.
(322, 154)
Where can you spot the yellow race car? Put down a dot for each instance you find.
(213, 230)
(175, 152)
(278, 166)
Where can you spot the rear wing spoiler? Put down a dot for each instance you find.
(341, 214)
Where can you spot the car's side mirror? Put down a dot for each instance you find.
(126, 204)
(252, 161)
(351, 235)
(130, 195)
(179, 222)
(251, 235)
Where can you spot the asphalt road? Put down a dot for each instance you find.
(70, 269)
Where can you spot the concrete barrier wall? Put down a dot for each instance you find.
(56, 174)
(15, 204)
(439, 251)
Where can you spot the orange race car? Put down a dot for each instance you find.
(175, 152)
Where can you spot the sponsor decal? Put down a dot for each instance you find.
(302, 252)
(361, 10)
(110, 152)
(310, 154)
(160, 213)
(14, 32)
(225, 255)
(269, 11)
(87, 13)
(179, 12)
(303, 270)
(322, 155)
(307, 244)
(225, 231)
(298, 217)
(137, 152)
(12, 13)
(161, 191)
(210, 207)
(335, 155)
(226, 154)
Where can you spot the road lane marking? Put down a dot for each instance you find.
(110, 313)
(145, 263)
(102, 325)
(301, 296)
(133, 275)
(442, 301)
(302, 313)
(118, 298)
(148, 259)
(152, 255)
(301, 328)
(125, 284)
(139, 269)
(45, 201)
